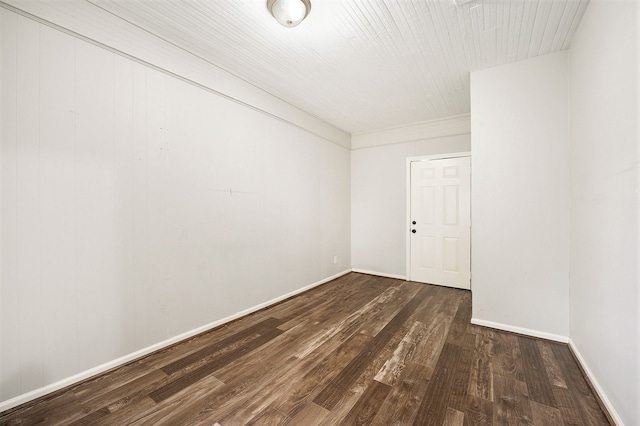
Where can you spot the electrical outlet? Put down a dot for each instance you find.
(335, 259)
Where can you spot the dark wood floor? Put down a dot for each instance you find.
(358, 350)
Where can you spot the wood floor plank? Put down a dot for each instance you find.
(431, 342)
(392, 369)
(302, 389)
(360, 293)
(568, 407)
(458, 334)
(432, 410)
(357, 350)
(481, 379)
(350, 284)
(332, 392)
(554, 372)
(511, 399)
(245, 381)
(474, 418)
(545, 415)
(366, 378)
(129, 372)
(53, 411)
(271, 363)
(377, 311)
(127, 395)
(353, 390)
(187, 380)
(458, 398)
(310, 414)
(403, 400)
(93, 418)
(279, 382)
(535, 373)
(448, 301)
(250, 332)
(507, 357)
(453, 418)
(269, 389)
(388, 307)
(227, 398)
(584, 399)
(368, 404)
(178, 408)
(269, 417)
(329, 327)
(478, 411)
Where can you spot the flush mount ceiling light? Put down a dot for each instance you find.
(289, 13)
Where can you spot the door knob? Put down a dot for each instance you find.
(413, 230)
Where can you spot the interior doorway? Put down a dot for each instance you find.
(439, 220)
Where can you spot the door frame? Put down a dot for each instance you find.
(408, 198)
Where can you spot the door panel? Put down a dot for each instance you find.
(440, 206)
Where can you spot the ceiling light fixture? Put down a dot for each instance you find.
(289, 13)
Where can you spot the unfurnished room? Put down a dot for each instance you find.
(319, 212)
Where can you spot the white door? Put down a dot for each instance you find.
(441, 222)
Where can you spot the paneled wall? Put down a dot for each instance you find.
(520, 196)
(605, 233)
(136, 207)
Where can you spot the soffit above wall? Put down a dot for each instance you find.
(414, 132)
(103, 29)
(361, 65)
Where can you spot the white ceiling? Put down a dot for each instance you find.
(361, 65)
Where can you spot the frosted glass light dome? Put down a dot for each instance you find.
(289, 13)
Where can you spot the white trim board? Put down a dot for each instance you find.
(380, 274)
(520, 330)
(37, 393)
(595, 385)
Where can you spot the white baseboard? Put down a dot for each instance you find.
(37, 393)
(520, 330)
(380, 274)
(595, 385)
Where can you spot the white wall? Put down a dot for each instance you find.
(378, 201)
(520, 196)
(136, 207)
(604, 217)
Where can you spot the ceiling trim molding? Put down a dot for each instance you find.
(450, 126)
(120, 37)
